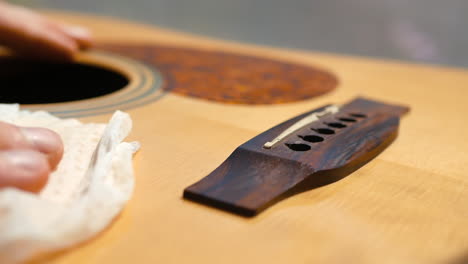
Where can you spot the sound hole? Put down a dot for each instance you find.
(37, 82)
(298, 146)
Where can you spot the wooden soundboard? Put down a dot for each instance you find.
(408, 205)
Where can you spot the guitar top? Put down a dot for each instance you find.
(406, 205)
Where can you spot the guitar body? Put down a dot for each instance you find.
(408, 205)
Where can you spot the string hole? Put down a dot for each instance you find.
(336, 125)
(324, 131)
(298, 146)
(358, 115)
(312, 138)
(345, 119)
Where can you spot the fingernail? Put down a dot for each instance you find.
(24, 169)
(24, 160)
(79, 32)
(44, 140)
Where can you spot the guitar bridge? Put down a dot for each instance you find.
(311, 150)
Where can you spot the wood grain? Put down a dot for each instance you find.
(406, 206)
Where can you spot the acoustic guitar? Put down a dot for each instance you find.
(194, 100)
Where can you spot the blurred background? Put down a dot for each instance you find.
(422, 31)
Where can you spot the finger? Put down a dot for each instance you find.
(81, 35)
(30, 34)
(11, 137)
(42, 42)
(45, 141)
(24, 169)
(39, 139)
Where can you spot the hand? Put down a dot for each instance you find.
(27, 156)
(29, 34)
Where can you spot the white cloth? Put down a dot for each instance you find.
(90, 187)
